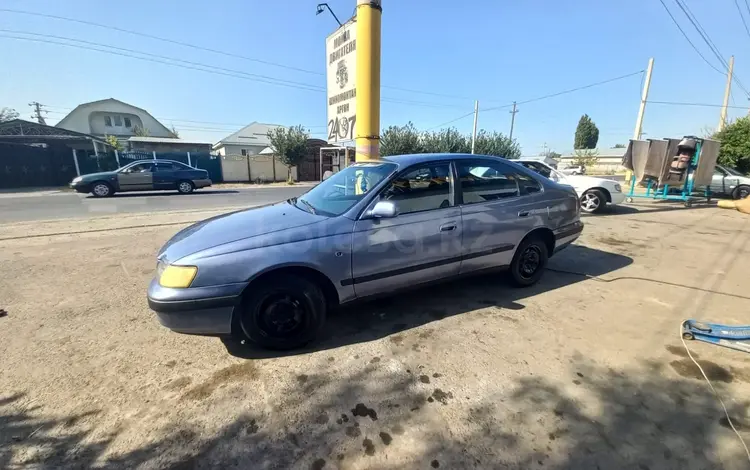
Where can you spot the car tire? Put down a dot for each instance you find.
(185, 187)
(593, 201)
(102, 189)
(741, 192)
(282, 312)
(529, 262)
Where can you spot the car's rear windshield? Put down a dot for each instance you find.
(342, 190)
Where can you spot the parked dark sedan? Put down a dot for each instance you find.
(144, 175)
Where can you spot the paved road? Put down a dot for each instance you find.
(46, 205)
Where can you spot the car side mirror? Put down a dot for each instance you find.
(383, 210)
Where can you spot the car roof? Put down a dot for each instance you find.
(408, 160)
(158, 160)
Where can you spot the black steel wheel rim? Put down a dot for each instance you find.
(282, 315)
(530, 261)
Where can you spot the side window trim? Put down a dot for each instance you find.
(452, 193)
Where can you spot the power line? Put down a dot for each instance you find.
(450, 122)
(676, 23)
(707, 39)
(742, 17)
(208, 49)
(704, 105)
(166, 60)
(572, 90)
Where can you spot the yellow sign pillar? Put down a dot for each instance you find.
(367, 126)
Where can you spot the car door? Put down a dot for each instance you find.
(717, 181)
(165, 175)
(136, 178)
(421, 244)
(499, 206)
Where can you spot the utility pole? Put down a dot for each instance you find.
(644, 98)
(38, 112)
(474, 132)
(513, 119)
(367, 126)
(727, 91)
(642, 109)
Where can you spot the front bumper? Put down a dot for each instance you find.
(617, 198)
(202, 183)
(195, 310)
(80, 187)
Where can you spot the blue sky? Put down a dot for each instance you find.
(496, 51)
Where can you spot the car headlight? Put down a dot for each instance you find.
(77, 179)
(177, 277)
(618, 188)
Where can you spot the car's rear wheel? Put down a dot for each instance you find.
(101, 189)
(529, 262)
(593, 201)
(185, 187)
(282, 312)
(741, 192)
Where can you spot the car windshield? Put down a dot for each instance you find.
(342, 190)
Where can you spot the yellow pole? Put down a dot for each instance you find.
(367, 126)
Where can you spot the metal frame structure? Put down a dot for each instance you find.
(686, 193)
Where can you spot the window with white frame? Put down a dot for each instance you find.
(244, 152)
(127, 122)
(118, 121)
(107, 121)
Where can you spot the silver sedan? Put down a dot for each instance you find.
(269, 274)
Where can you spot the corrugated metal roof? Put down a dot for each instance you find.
(255, 133)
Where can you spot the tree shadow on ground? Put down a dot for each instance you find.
(643, 417)
(390, 315)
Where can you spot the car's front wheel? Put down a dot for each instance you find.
(282, 312)
(529, 262)
(101, 189)
(593, 201)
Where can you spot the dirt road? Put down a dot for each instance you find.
(576, 372)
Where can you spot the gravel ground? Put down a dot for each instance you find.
(576, 372)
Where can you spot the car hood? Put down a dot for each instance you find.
(103, 174)
(234, 226)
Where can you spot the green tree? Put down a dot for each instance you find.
(496, 144)
(141, 131)
(400, 140)
(175, 133)
(587, 134)
(112, 140)
(619, 146)
(446, 141)
(735, 144)
(289, 145)
(551, 154)
(585, 157)
(8, 114)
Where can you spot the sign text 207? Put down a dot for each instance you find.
(342, 128)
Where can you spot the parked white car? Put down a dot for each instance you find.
(574, 170)
(594, 193)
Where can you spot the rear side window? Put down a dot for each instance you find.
(484, 181)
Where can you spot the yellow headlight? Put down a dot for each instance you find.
(178, 276)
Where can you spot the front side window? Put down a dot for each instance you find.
(140, 168)
(486, 181)
(344, 189)
(425, 188)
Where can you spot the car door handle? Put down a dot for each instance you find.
(523, 214)
(447, 227)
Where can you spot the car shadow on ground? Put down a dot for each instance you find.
(648, 206)
(167, 193)
(368, 321)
